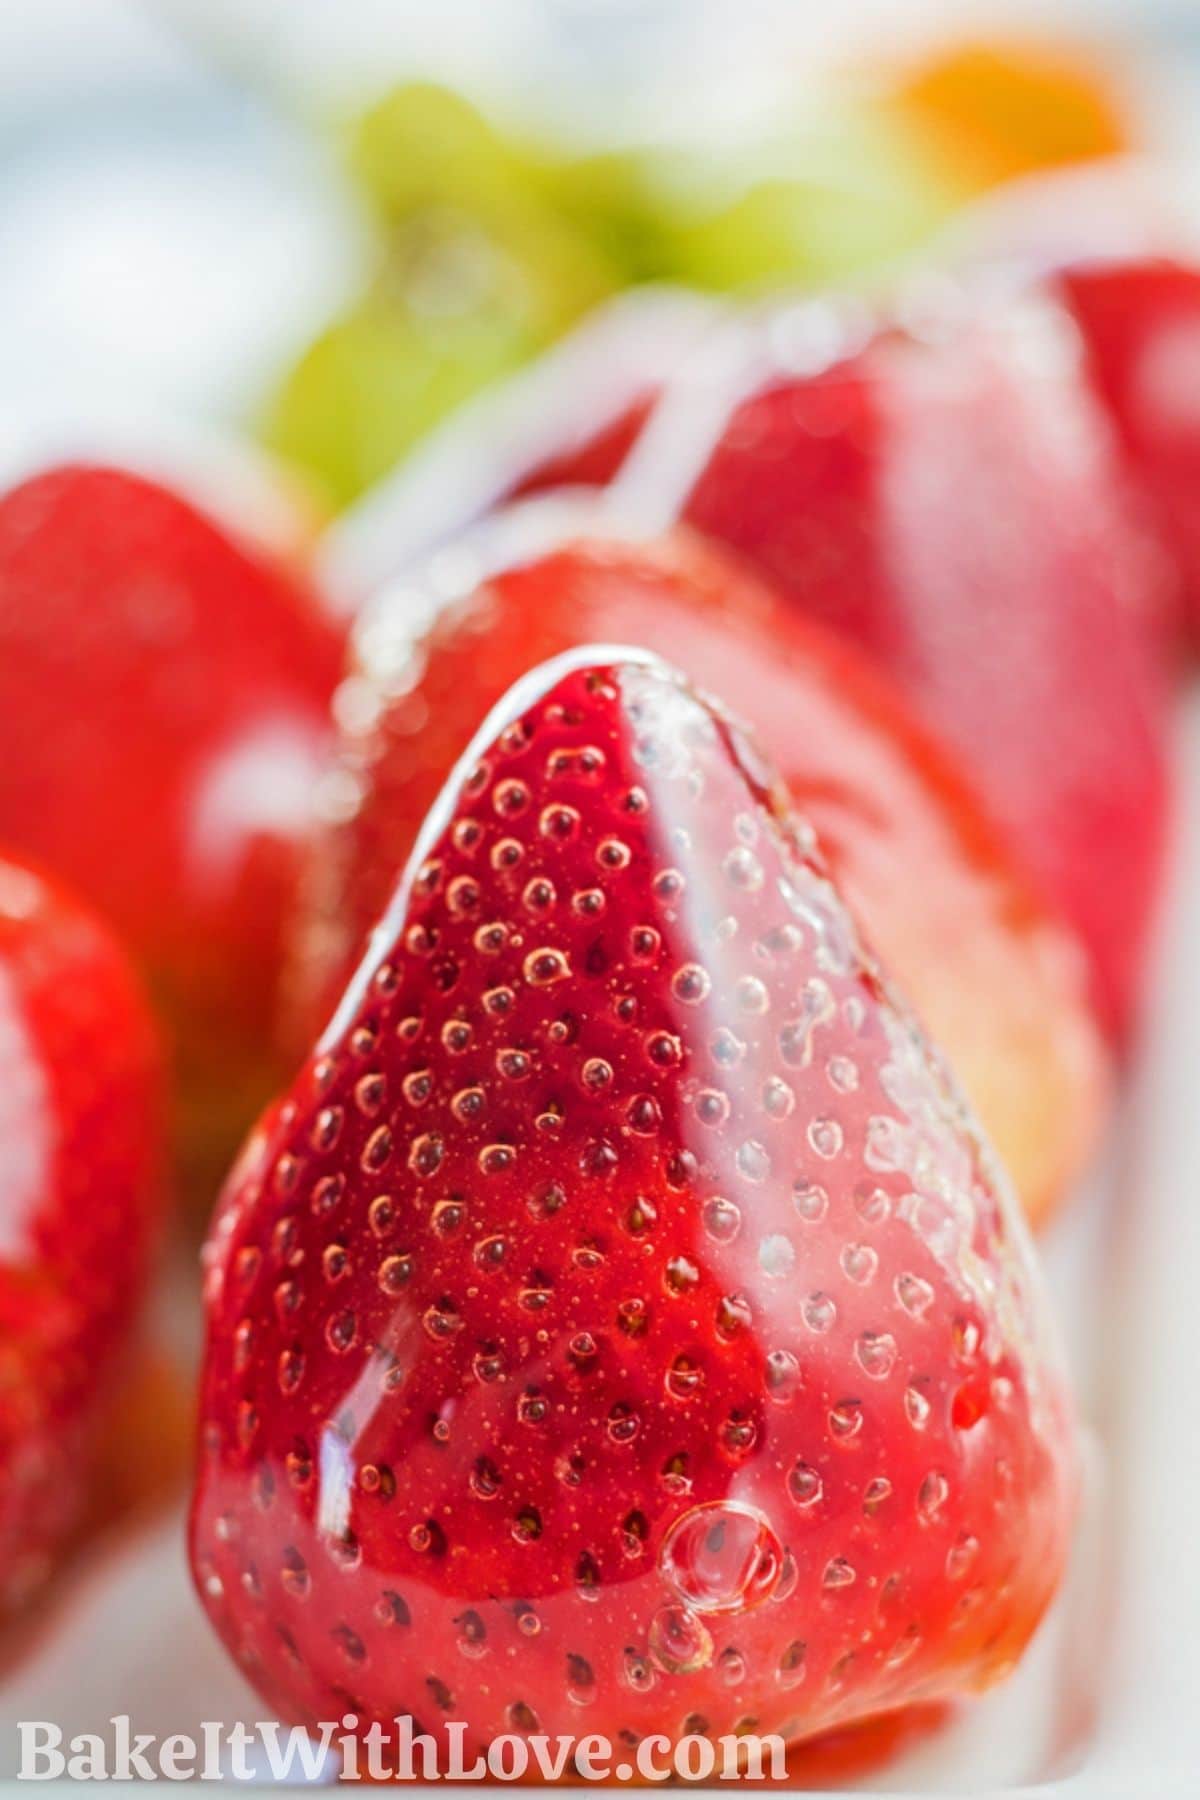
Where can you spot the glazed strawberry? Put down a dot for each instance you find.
(949, 503)
(619, 1322)
(163, 701)
(81, 1134)
(996, 982)
(1140, 323)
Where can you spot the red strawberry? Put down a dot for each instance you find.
(619, 1323)
(949, 504)
(163, 699)
(81, 1154)
(1141, 327)
(993, 978)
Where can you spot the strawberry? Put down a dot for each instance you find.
(994, 979)
(619, 1326)
(81, 1148)
(1140, 322)
(163, 701)
(948, 502)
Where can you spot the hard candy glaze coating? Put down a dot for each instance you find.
(620, 1323)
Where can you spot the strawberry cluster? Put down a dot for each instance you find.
(707, 902)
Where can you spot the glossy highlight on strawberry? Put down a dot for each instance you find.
(994, 977)
(567, 420)
(620, 1326)
(81, 1194)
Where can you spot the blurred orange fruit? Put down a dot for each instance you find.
(1000, 110)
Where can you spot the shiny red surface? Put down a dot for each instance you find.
(936, 889)
(950, 505)
(1141, 325)
(163, 709)
(618, 1324)
(592, 463)
(81, 1167)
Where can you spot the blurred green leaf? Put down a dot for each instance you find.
(476, 273)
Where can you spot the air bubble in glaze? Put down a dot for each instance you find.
(721, 1557)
